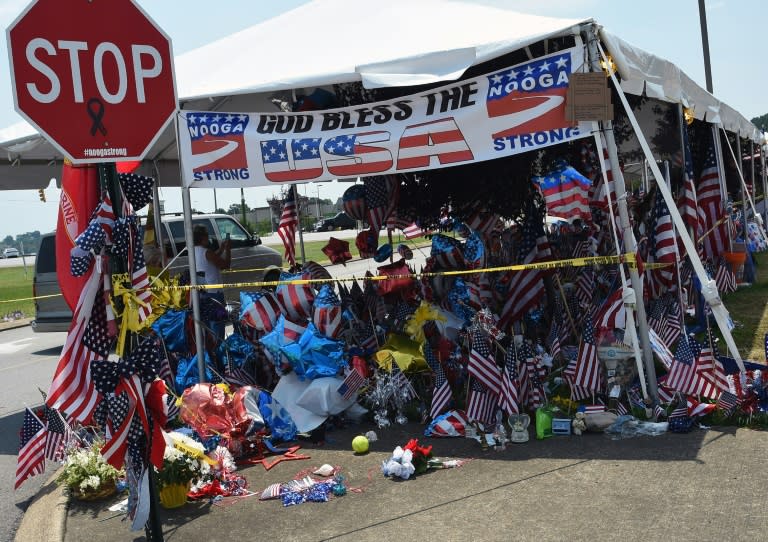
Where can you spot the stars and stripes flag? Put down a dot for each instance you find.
(727, 402)
(402, 384)
(710, 206)
(664, 318)
(566, 193)
(72, 391)
(532, 378)
(58, 435)
(557, 335)
(380, 198)
(688, 204)
(682, 372)
(485, 223)
(481, 403)
(31, 460)
(286, 229)
(585, 285)
(661, 244)
(526, 287)
(725, 278)
(482, 366)
(584, 371)
(612, 313)
(510, 384)
(441, 393)
(352, 382)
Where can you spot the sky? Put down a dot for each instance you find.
(667, 28)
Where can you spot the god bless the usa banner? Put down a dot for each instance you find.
(511, 111)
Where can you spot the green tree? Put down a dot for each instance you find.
(761, 122)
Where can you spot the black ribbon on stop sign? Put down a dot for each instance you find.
(96, 115)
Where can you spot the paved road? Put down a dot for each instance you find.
(27, 361)
(29, 261)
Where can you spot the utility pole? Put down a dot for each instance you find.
(242, 204)
(705, 44)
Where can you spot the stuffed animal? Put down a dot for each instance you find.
(579, 423)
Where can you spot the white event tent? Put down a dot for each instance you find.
(380, 44)
(396, 44)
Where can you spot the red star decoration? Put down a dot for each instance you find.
(268, 463)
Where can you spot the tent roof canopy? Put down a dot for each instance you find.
(381, 44)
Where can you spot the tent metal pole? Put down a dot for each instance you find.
(194, 297)
(630, 245)
(765, 181)
(747, 197)
(708, 285)
(740, 167)
(721, 175)
(195, 294)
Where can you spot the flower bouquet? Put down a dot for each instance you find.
(184, 460)
(413, 459)
(86, 474)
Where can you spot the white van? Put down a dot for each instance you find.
(251, 262)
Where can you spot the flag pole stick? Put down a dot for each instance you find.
(565, 304)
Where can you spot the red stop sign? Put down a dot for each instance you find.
(96, 77)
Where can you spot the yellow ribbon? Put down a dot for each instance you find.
(162, 298)
(425, 312)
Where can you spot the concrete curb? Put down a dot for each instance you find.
(45, 519)
(16, 323)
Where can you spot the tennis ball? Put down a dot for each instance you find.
(360, 444)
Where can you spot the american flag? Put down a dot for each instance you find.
(352, 382)
(481, 403)
(286, 229)
(412, 231)
(380, 198)
(485, 223)
(72, 391)
(555, 338)
(710, 206)
(510, 398)
(481, 364)
(688, 204)
(301, 161)
(441, 394)
(727, 402)
(234, 375)
(566, 192)
(58, 435)
(31, 459)
(680, 411)
(402, 384)
(660, 349)
(526, 287)
(612, 314)
(725, 278)
(682, 374)
(665, 319)
(698, 408)
(661, 243)
(585, 285)
(140, 282)
(531, 378)
(584, 371)
(353, 155)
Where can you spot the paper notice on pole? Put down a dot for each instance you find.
(588, 98)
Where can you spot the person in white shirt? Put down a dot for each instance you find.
(210, 262)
